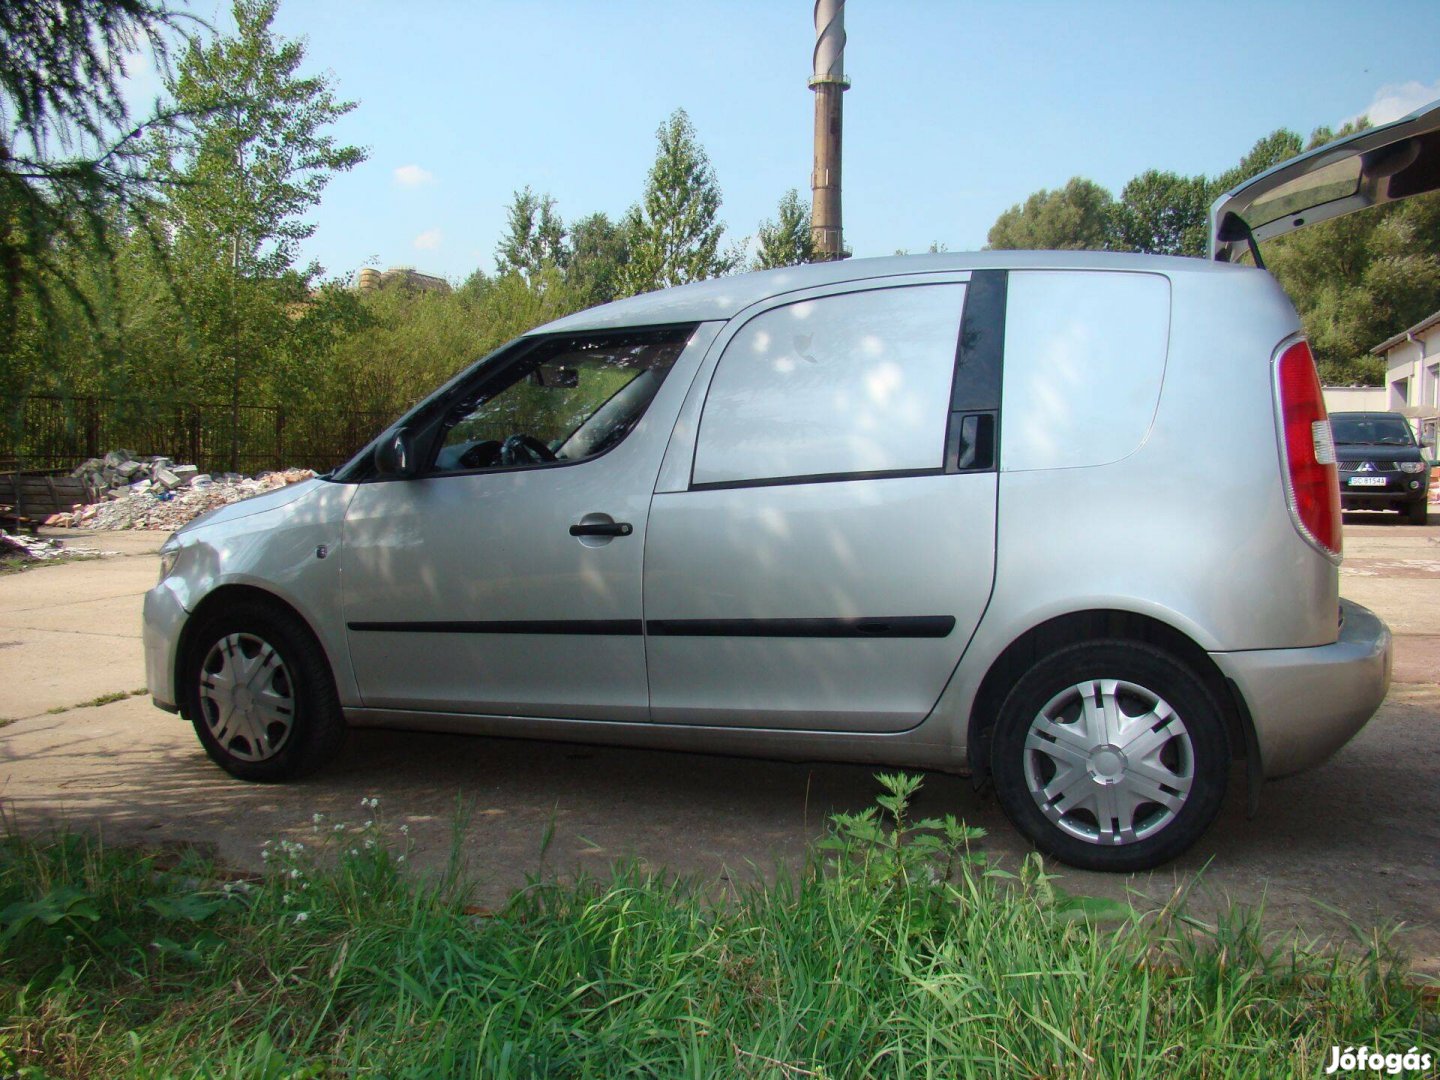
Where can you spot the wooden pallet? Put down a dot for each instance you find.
(28, 498)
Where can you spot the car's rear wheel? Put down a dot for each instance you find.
(258, 690)
(1110, 755)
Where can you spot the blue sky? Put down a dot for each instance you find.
(958, 109)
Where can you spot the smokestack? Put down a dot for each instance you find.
(829, 83)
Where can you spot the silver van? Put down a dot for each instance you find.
(1068, 521)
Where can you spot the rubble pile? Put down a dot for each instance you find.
(125, 469)
(156, 493)
(30, 547)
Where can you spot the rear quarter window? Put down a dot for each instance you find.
(853, 384)
(1084, 360)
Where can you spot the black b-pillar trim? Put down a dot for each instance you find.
(972, 437)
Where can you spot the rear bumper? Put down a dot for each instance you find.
(1307, 703)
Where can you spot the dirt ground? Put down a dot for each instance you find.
(1359, 835)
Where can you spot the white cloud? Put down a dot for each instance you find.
(429, 240)
(1394, 100)
(413, 176)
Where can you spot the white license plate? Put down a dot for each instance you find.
(1366, 481)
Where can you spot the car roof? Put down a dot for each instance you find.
(724, 297)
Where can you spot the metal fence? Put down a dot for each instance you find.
(45, 432)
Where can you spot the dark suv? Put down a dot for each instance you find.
(1381, 465)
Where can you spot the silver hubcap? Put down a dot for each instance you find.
(247, 697)
(1109, 762)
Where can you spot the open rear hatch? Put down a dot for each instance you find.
(1374, 166)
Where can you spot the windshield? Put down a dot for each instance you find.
(1371, 430)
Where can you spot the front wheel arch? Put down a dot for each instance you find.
(227, 596)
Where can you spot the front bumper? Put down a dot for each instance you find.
(1307, 703)
(1400, 489)
(164, 616)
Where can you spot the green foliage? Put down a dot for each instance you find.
(787, 240)
(879, 961)
(1357, 280)
(534, 236)
(73, 172)
(258, 162)
(261, 156)
(1162, 213)
(408, 343)
(673, 234)
(599, 252)
(1076, 217)
(1274, 148)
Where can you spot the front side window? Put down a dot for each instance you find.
(562, 400)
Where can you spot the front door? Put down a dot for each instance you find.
(505, 578)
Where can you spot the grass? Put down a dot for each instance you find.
(96, 702)
(16, 563)
(899, 952)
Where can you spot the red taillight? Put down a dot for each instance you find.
(1313, 490)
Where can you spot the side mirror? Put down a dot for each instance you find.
(395, 457)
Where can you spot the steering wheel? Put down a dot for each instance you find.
(483, 453)
(522, 449)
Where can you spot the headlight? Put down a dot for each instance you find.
(1413, 466)
(169, 554)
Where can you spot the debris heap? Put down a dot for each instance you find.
(29, 547)
(156, 493)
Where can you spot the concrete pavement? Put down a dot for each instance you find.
(70, 631)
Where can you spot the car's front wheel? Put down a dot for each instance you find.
(258, 690)
(1110, 755)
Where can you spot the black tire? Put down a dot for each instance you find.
(1197, 757)
(1418, 513)
(308, 729)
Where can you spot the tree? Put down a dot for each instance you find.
(673, 235)
(599, 252)
(1163, 213)
(1280, 145)
(1075, 217)
(260, 158)
(73, 174)
(534, 236)
(786, 241)
(1357, 279)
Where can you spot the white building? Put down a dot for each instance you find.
(1412, 374)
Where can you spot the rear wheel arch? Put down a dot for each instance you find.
(1055, 634)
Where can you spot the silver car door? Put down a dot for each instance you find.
(821, 544)
(512, 587)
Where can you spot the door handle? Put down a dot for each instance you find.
(602, 528)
